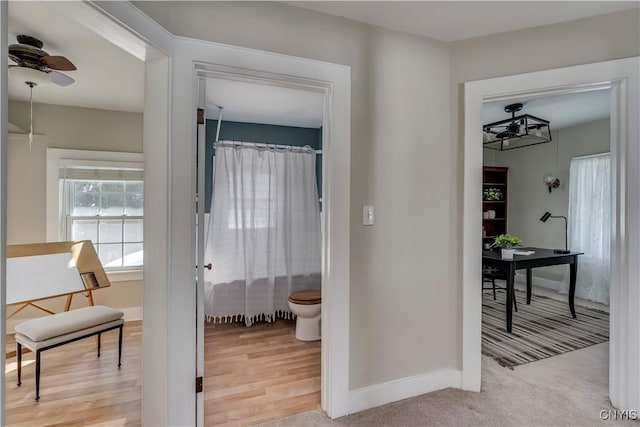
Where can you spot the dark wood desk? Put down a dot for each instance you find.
(541, 258)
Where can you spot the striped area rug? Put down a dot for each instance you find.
(542, 329)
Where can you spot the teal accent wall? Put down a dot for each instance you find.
(253, 132)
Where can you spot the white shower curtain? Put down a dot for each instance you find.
(590, 225)
(263, 233)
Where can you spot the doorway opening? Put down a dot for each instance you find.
(584, 78)
(528, 194)
(262, 223)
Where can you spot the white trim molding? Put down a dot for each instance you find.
(125, 275)
(404, 388)
(521, 279)
(195, 59)
(621, 78)
(4, 106)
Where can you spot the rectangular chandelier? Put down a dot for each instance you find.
(516, 131)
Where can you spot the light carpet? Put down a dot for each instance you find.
(567, 390)
(540, 330)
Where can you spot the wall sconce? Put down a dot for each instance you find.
(551, 181)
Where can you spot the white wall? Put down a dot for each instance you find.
(406, 155)
(529, 197)
(400, 119)
(62, 127)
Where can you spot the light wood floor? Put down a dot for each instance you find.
(76, 387)
(252, 375)
(259, 373)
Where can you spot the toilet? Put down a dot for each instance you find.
(306, 305)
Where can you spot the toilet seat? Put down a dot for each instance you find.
(307, 297)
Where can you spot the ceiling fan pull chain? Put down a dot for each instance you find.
(31, 85)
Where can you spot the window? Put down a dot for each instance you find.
(102, 201)
(251, 203)
(110, 214)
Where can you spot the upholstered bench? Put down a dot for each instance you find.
(58, 329)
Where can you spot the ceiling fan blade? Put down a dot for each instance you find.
(58, 63)
(60, 79)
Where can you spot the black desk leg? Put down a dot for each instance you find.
(573, 272)
(528, 286)
(510, 275)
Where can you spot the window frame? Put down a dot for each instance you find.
(57, 158)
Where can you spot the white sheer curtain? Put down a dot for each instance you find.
(264, 232)
(590, 225)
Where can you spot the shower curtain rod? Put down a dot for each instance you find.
(264, 145)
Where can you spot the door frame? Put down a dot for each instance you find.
(333, 81)
(4, 107)
(621, 76)
(205, 71)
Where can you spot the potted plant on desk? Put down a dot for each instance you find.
(507, 243)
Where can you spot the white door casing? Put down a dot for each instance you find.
(621, 77)
(4, 105)
(199, 307)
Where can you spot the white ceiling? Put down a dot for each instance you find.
(561, 111)
(252, 103)
(449, 21)
(108, 77)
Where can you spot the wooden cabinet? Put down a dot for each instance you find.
(494, 202)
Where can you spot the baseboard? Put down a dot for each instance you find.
(521, 279)
(130, 314)
(404, 388)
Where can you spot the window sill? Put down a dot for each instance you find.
(124, 276)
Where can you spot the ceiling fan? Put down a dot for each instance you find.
(35, 66)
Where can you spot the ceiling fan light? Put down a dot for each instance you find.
(26, 74)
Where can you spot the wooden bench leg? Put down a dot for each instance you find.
(98, 345)
(19, 360)
(120, 347)
(37, 375)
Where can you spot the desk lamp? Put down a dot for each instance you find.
(548, 215)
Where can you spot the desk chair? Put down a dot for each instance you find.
(490, 275)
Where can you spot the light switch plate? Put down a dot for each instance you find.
(367, 215)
